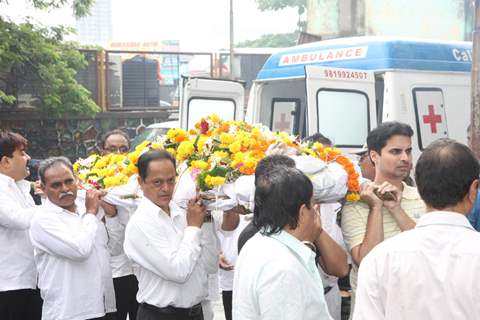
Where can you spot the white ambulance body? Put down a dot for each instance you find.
(343, 88)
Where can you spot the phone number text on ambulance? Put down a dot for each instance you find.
(342, 74)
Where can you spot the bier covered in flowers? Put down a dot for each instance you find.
(215, 153)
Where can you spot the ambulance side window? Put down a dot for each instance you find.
(343, 116)
(285, 115)
(202, 107)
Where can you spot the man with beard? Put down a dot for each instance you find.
(388, 205)
(70, 245)
(19, 298)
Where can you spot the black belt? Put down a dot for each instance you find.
(190, 312)
(327, 289)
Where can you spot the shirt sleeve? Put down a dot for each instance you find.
(12, 215)
(153, 251)
(210, 248)
(368, 299)
(116, 235)
(56, 237)
(354, 225)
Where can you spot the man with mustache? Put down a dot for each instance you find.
(19, 298)
(70, 245)
(173, 250)
(388, 205)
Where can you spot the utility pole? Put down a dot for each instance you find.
(231, 40)
(475, 111)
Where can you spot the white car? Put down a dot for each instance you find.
(154, 130)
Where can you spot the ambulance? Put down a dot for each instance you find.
(343, 88)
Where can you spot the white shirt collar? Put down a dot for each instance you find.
(56, 209)
(444, 218)
(4, 179)
(305, 253)
(175, 210)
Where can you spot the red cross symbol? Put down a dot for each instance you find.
(282, 125)
(432, 118)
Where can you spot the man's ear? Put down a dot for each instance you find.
(4, 161)
(140, 182)
(472, 192)
(373, 156)
(302, 212)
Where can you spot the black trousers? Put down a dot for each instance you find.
(24, 304)
(148, 312)
(227, 304)
(126, 289)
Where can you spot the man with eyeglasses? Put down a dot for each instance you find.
(124, 281)
(174, 250)
(115, 141)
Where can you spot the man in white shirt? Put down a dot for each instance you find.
(124, 281)
(276, 276)
(431, 271)
(173, 251)
(70, 245)
(19, 298)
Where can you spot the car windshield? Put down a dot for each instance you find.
(149, 134)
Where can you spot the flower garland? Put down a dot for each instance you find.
(329, 154)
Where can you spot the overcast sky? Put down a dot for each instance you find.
(200, 25)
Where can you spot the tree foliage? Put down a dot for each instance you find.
(280, 40)
(37, 60)
(80, 7)
(264, 5)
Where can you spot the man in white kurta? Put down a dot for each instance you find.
(431, 271)
(70, 245)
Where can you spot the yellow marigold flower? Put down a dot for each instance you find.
(235, 147)
(201, 141)
(256, 132)
(220, 154)
(133, 156)
(199, 164)
(172, 151)
(214, 181)
(157, 146)
(185, 149)
(82, 176)
(351, 197)
(215, 118)
(142, 145)
(112, 181)
(226, 138)
(76, 166)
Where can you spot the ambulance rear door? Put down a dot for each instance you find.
(201, 97)
(341, 104)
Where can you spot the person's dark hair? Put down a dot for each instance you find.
(9, 142)
(377, 138)
(269, 163)
(111, 133)
(52, 162)
(278, 198)
(318, 137)
(152, 155)
(444, 173)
